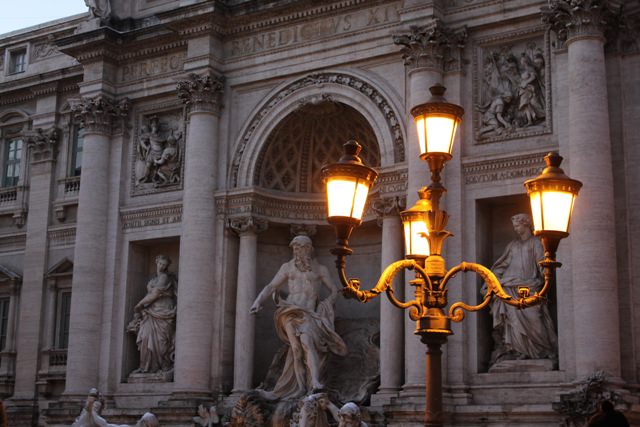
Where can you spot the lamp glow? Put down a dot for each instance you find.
(436, 122)
(346, 196)
(416, 229)
(551, 210)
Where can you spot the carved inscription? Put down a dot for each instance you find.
(314, 30)
(149, 217)
(152, 67)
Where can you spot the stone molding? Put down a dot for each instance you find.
(433, 46)
(393, 182)
(43, 144)
(202, 93)
(319, 79)
(150, 216)
(575, 19)
(525, 166)
(62, 236)
(13, 242)
(247, 224)
(100, 114)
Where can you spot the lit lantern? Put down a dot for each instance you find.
(416, 229)
(436, 122)
(348, 183)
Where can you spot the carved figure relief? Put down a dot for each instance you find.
(158, 154)
(513, 91)
(154, 322)
(521, 334)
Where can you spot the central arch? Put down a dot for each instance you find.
(339, 87)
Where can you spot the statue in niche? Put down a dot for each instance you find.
(160, 156)
(513, 91)
(91, 415)
(154, 321)
(521, 334)
(350, 416)
(303, 322)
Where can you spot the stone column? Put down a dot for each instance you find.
(247, 228)
(42, 145)
(98, 115)
(201, 94)
(391, 317)
(595, 293)
(425, 51)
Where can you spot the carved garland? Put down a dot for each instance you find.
(319, 79)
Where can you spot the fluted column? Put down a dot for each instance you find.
(201, 94)
(594, 281)
(247, 228)
(391, 317)
(427, 52)
(98, 115)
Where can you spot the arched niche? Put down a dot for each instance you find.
(347, 88)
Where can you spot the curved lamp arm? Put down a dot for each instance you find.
(456, 311)
(351, 287)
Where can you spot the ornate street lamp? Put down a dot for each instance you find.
(552, 196)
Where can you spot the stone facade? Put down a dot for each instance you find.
(197, 130)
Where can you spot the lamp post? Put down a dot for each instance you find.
(552, 195)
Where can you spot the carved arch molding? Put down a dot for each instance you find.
(318, 79)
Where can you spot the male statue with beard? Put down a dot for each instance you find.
(303, 321)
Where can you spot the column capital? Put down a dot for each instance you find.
(202, 93)
(100, 114)
(433, 46)
(43, 143)
(247, 224)
(389, 206)
(309, 230)
(575, 19)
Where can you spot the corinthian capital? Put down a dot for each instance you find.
(201, 93)
(248, 224)
(571, 19)
(43, 143)
(433, 46)
(100, 114)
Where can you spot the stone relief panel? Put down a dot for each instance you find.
(512, 89)
(158, 148)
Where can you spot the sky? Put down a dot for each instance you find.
(17, 14)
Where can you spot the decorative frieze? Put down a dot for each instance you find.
(512, 86)
(388, 206)
(393, 182)
(571, 19)
(43, 50)
(318, 80)
(100, 114)
(519, 167)
(43, 143)
(150, 216)
(202, 93)
(433, 46)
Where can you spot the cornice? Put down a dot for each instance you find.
(522, 166)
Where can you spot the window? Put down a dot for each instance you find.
(64, 311)
(17, 61)
(76, 151)
(13, 155)
(4, 321)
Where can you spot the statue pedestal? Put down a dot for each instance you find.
(526, 365)
(147, 377)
